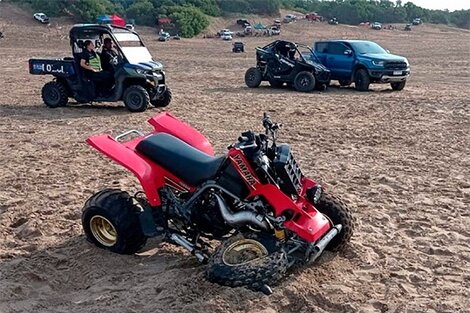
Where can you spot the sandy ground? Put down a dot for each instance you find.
(400, 159)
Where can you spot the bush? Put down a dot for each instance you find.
(189, 20)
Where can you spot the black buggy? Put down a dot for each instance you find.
(138, 80)
(287, 62)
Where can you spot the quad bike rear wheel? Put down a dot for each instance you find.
(243, 261)
(136, 98)
(110, 221)
(304, 81)
(253, 77)
(164, 101)
(339, 213)
(54, 94)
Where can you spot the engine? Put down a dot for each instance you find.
(206, 215)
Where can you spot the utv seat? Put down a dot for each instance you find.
(184, 161)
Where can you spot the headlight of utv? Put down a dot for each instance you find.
(378, 63)
(141, 71)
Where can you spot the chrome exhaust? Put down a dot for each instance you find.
(242, 217)
(316, 250)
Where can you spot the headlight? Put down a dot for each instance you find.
(143, 72)
(378, 63)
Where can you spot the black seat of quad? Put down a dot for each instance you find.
(184, 161)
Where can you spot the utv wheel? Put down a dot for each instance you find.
(165, 101)
(253, 77)
(276, 83)
(54, 94)
(338, 213)
(241, 261)
(362, 80)
(398, 86)
(111, 222)
(136, 98)
(304, 81)
(344, 82)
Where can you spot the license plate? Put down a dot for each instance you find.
(397, 72)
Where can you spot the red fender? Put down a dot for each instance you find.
(167, 123)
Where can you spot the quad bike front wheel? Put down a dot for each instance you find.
(339, 213)
(54, 94)
(164, 101)
(110, 221)
(243, 261)
(253, 77)
(136, 98)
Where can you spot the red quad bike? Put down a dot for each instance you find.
(255, 201)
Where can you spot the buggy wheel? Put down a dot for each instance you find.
(164, 101)
(304, 81)
(398, 86)
(362, 80)
(253, 77)
(339, 213)
(54, 94)
(111, 222)
(136, 98)
(241, 261)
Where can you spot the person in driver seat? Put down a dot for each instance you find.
(107, 55)
(91, 63)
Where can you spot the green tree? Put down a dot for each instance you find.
(189, 20)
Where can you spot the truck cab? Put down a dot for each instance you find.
(362, 62)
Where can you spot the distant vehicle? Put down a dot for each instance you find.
(225, 31)
(274, 30)
(408, 27)
(177, 37)
(284, 62)
(289, 18)
(333, 21)
(248, 30)
(238, 46)
(417, 21)
(226, 36)
(376, 26)
(243, 22)
(130, 26)
(314, 16)
(164, 36)
(277, 22)
(41, 17)
(362, 62)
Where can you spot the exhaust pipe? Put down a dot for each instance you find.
(240, 218)
(314, 252)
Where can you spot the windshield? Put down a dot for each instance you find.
(307, 53)
(363, 47)
(133, 48)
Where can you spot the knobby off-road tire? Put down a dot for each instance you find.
(304, 81)
(54, 94)
(398, 85)
(164, 101)
(254, 274)
(136, 98)
(253, 77)
(339, 213)
(361, 80)
(111, 222)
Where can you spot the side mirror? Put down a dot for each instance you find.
(348, 52)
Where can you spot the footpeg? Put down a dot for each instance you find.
(314, 251)
(180, 240)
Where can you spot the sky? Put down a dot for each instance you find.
(451, 5)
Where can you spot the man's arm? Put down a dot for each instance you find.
(86, 66)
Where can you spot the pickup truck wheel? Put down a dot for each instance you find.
(253, 77)
(136, 98)
(344, 82)
(304, 81)
(362, 80)
(54, 94)
(398, 86)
